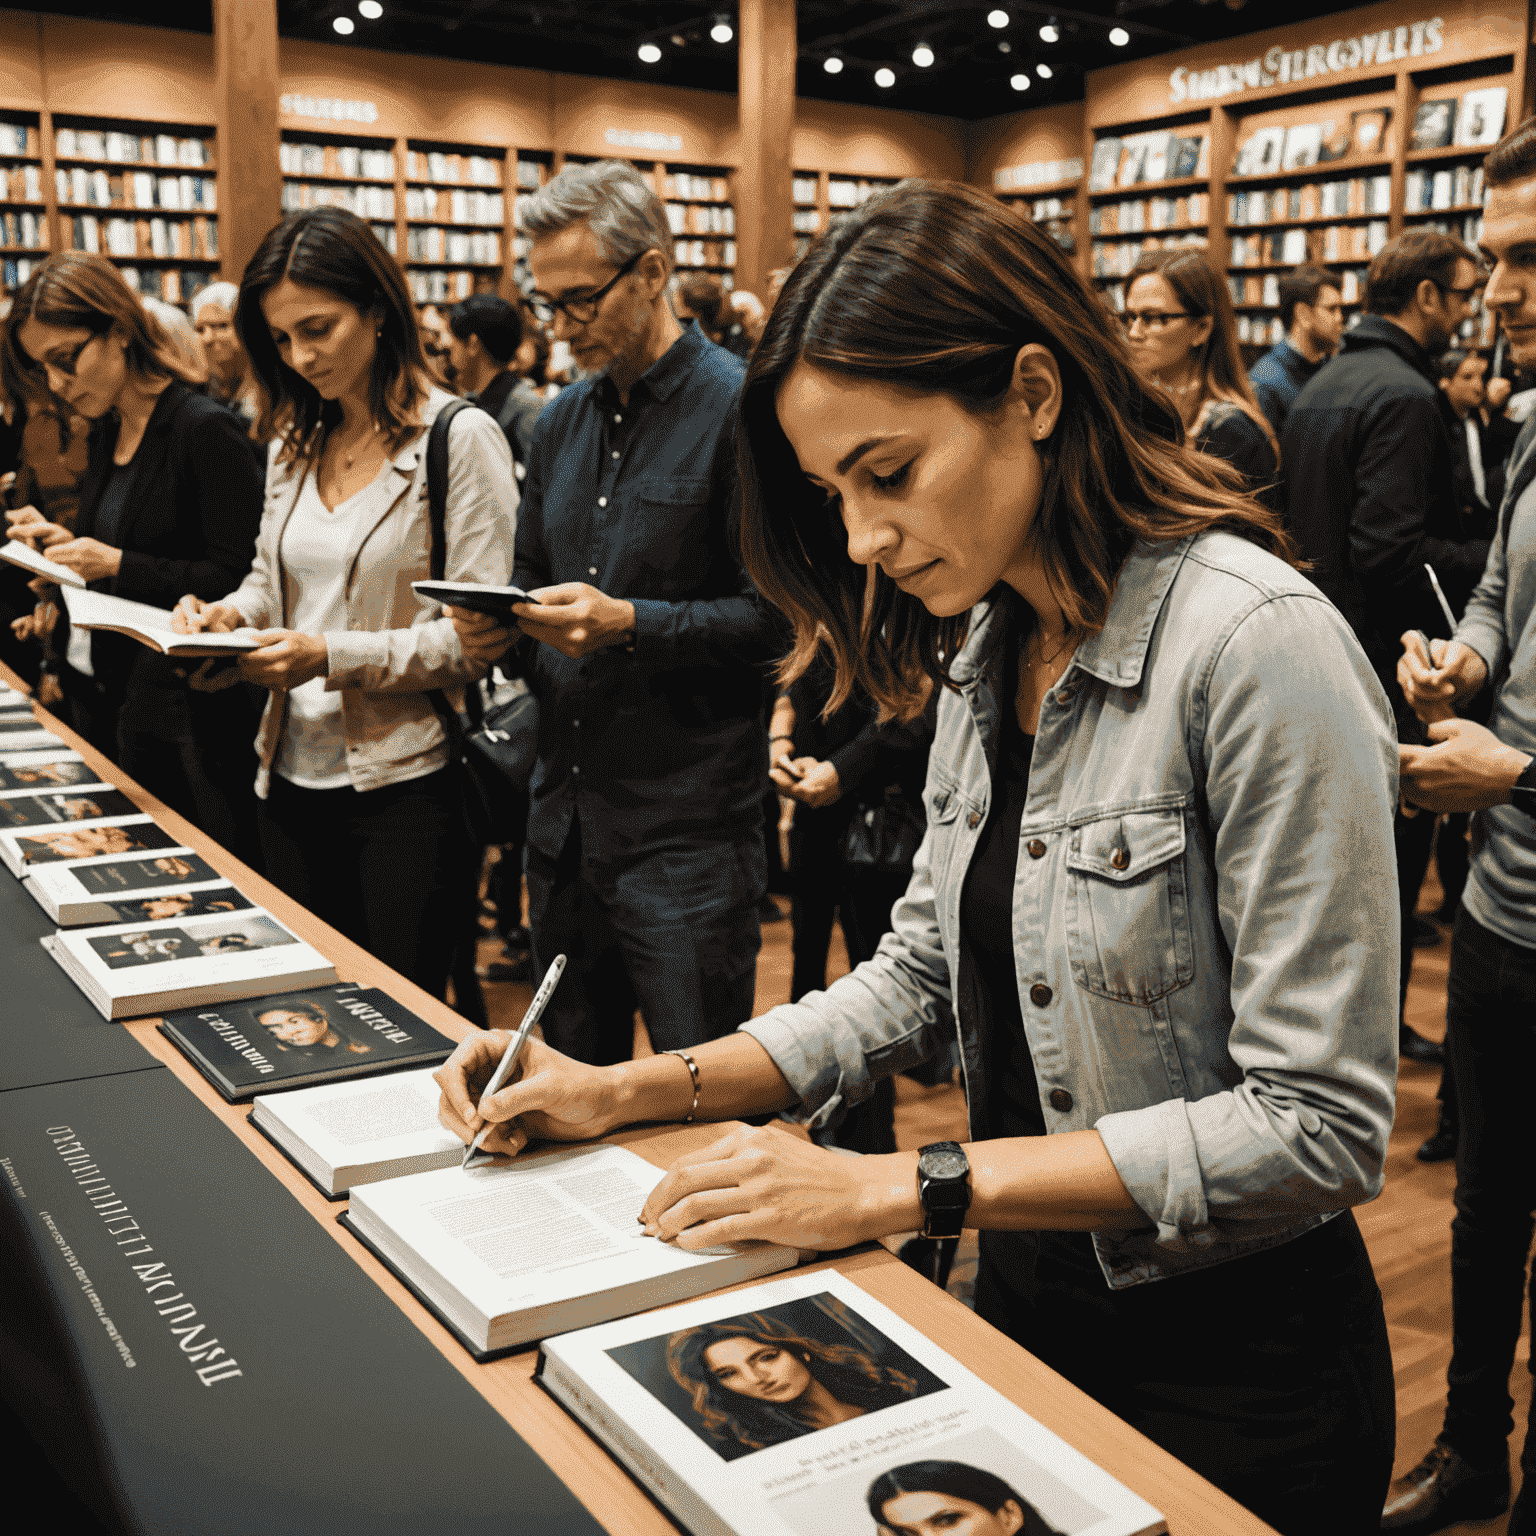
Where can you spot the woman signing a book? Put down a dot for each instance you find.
(1156, 897)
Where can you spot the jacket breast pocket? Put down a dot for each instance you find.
(672, 539)
(1128, 928)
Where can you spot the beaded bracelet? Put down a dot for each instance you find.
(693, 1072)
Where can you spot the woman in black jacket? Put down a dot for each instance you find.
(170, 504)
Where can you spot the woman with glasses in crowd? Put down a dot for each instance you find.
(360, 815)
(169, 504)
(1159, 809)
(1183, 338)
(230, 379)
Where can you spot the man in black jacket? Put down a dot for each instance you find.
(1368, 458)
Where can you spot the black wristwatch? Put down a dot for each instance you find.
(944, 1187)
(1522, 793)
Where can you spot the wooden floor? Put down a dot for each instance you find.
(1407, 1229)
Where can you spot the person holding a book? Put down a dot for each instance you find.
(1183, 338)
(953, 471)
(360, 814)
(170, 503)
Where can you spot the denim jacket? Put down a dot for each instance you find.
(1204, 909)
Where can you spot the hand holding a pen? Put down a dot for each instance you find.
(1433, 680)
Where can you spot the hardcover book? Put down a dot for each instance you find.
(129, 970)
(19, 851)
(1481, 119)
(804, 1406)
(131, 890)
(1105, 165)
(476, 596)
(325, 1035)
(515, 1251)
(1184, 157)
(1335, 140)
(1433, 124)
(90, 802)
(1302, 146)
(51, 768)
(1260, 154)
(1369, 131)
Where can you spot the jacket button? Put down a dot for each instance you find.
(1036, 848)
(1119, 859)
(973, 820)
(1061, 1100)
(1040, 994)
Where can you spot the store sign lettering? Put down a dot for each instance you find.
(1287, 66)
(327, 109)
(635, 138)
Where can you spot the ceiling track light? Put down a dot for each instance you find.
(832, 64)
(344, 25)
(1119, 36)
(649, 53)
(885, 78)
(1044, 71)
(1019, 82)
(1050, 32)
(722, 31)
(369, 10)
(922, 55)
(998, 19)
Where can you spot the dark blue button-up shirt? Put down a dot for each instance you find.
(665, 744)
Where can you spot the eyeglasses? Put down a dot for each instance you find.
(1464, 293)
(1152, 319)
(580, 311)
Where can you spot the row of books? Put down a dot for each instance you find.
(1364, 135)
(804, 191)
(1468, 230)
(1362, 195)
(1139, 157)
(445, 287)
(1117, 260)
(365, 201)
(25, 231)
(1260, 330)
(806, 221)
(336, 160)
(195, 239)
(448, 166)
(135, 189)
(1251, 288)
(1292, 247)
(19, 139)
(1475, 120)
(1150, 214)
(1457, 187)
(701, 218)
(130, 148)
(456, 206)
(529, 177)
(704, 253)
(476, 247)
(845, 193)
(15, 270)
(173, 284)
(1042, 208)
(385, 234)
(21, 183)
(706, 189)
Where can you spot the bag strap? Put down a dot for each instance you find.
(437, 515)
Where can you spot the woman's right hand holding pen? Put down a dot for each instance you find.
(1432, 682)
(192, 616)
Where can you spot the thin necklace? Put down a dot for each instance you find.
(347, 459)
(1178, 391)
(1045, 661)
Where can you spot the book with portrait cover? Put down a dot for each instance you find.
(128, 970)
(52, 768)
(20, 852)
(805, 1406)
(131, 889)
(50, 808)
(1433, 124)
(294, 1039)
(520, 1249)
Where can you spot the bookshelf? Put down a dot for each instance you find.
(532, 171)
(334, 171)
(23, 208)
(144, 195)
(702, 219)
(1053, 208)
(456, 210)
(808, 217)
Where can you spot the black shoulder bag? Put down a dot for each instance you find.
(494, 750)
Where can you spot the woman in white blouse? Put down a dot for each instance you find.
(359, 812)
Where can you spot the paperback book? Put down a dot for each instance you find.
(150, 626)
(325, 1035)
(1481, 118)
(805, 1406)
(128, 970)
(20, 851)
(89, 802)
(51, 768)
(23, 555)
(514, 1251)
(342, 1135)
(153, 891)
(1433, 124)
(476, 596)
(21, 731)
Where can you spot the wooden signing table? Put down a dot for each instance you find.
(72, 1396)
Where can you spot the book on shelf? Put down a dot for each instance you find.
(150, 626)
(1186, 158)
(1368, 131)
(1433, 123)
(1335, 141)
(132, 890)
(13, 552)
(514, 1251)
(327, 1036)
(1104, 165)
(1302, 145)
(127, 970)
(18, 139)
(1481, 118)
(20, 851)
(1260, 153)
(702, 1403)
(50, 808)
(342, 1135)
(1155, 165)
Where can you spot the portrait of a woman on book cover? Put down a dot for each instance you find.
(304, 1027)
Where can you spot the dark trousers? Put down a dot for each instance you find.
(1491, 1042)
(673, 932)
(1270, 1375)
(391, 867)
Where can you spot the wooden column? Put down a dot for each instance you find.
(766, 101)
(249, 173)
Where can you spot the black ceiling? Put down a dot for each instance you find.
(969, 77)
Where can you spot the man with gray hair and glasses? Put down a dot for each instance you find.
(646, 647)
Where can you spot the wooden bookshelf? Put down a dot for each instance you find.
(330, 170)
(25, 235)
(702, 217)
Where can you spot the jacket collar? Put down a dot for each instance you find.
(1378, 331)
(665, 376)
(1118, 653)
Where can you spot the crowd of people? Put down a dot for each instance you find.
(1113, 696)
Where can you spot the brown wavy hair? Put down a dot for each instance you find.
(76, 290)
(936, 286)
(849, 1374)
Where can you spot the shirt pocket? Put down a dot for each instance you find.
(672, 539)
(943, 803)
(1128, 928)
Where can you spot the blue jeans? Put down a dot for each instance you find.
(673, 932)
(1491, 1047)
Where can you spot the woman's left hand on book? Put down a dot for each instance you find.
(285, 660)
(768, 1184)
(28, 526)
(89, 559)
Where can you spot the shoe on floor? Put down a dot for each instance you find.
(1444, 1489)
(1439, 1148)
(1415, 1047)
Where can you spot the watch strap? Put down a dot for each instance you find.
(945, 1200)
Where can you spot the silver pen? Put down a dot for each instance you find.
(473, 1156)
(1445, 607)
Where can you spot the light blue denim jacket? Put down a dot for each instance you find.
(1204, 909)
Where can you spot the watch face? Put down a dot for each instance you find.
(945, 1165)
